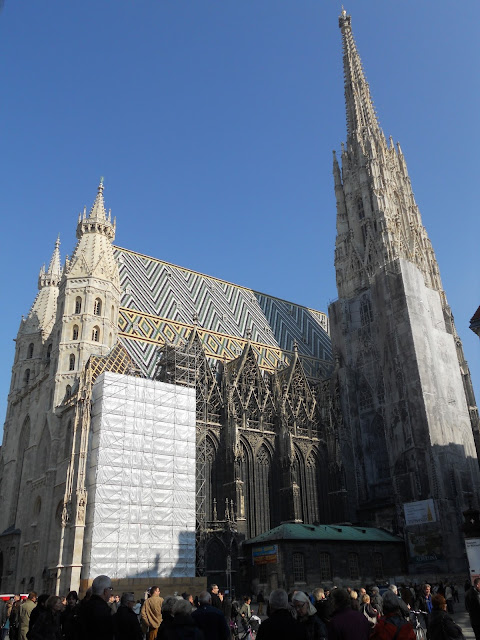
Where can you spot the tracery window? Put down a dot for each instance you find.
(30, 351)
(210, 477)
(75, 332)
(298, 560)
(366, 315)
(68, 391)
(325, 566)
(78, 305)
(26, 377)
(360, 209)
(97, 307)
(71, 362)
(353, 569)
(263, 468)
(312, 478)
(96, 334)
(365, 401)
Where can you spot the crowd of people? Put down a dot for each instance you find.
(409, 612)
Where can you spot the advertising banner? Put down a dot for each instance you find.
(267, 554)
(420, 512)
(473, 555)
(425, 547)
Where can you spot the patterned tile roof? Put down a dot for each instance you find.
(160, 301)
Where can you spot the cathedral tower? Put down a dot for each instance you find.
(407, 398)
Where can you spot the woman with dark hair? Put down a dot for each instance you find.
(440, 624)
(69, 617)
(47, 626)
(41, 601)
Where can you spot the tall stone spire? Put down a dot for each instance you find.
(361, 115)
(54, 272)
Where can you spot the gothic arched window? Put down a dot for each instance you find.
(96, 334)
(75, 332)
(246, 476)
(71, 362)
(26, 377)
(97, 307)
(312, 480)
(30, 351)
(78, 305)
(112, 314)
(49, 351)
(366, 315)
(360, 209)
(210, 477)
(378, 565)
(68, 439)
(68, 391)
(263, 465)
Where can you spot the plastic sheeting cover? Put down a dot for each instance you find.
(140, 519)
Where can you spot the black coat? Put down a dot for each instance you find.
(126, 625)
(46, 627)
(441, 626)
(472, 603)
(183, 628)
(212, 622)
(281, 625)
(96, 620)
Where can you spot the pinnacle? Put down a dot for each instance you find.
(54, 268)
(97, 211)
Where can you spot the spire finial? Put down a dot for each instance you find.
(361, 116)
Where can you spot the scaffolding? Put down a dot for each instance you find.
(186, 365)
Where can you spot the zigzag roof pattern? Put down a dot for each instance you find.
(160, 301)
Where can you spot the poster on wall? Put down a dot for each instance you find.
(265, 555)
(420, 512)
(425, 547)
(473, 554)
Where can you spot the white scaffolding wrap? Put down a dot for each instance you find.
(140, 519)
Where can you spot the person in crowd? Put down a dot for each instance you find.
(167, 616)
(449, 598)
(376, 600)
(280, 624)
(424, 603)
(404, 608)
(125, 623)
(41, 602)
(245, 609)
(354, 602)
(226, 604)
(183, 626)
(370, 613)
(25, 611)
(69, 617)
(310, 624)
(440, 624)
(216, 602)
(10, 625)
(48, 624)
(95, 617)
(321, 604)
(406, 595)
(260, 602)
(112, 603)
(472, 604)
(209, 619)
(345, 623)
(392, 624)
(151, 613)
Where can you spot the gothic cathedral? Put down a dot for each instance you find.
(300, 417)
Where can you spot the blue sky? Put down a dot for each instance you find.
(213, 122)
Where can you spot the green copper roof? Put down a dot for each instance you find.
(339, 532)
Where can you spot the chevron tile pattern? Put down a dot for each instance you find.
(160, 301)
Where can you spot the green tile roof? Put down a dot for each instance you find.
(340, 532)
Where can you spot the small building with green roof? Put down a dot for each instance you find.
(306, 556)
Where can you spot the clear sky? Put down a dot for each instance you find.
(213, 122)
